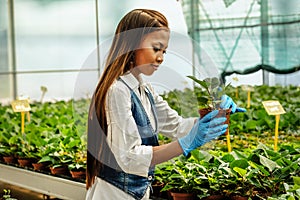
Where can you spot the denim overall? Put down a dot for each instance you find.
(133, 184)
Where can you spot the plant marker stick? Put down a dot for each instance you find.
(22, 121)
(228, 141)
(249, 95)
(277, 118)
(23, 107)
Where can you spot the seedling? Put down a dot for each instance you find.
(214, 90)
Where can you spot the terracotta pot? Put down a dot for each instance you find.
(40, 166)
(63, 170)
(25, 162)
(222, 113)
(182, 196)
(78, 174)
(156, 188)
(10, 159)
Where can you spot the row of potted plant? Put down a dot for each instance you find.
(74, 168)
(55, 137)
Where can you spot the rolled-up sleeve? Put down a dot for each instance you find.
(170, 123)
(123, 136)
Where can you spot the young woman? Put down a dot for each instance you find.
(126, 114)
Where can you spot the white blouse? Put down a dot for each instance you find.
(123, 136)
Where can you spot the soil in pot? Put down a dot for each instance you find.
(222, 113)
(182, 196)
(10, 159)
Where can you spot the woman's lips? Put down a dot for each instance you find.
(155, 66)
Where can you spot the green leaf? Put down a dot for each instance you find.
(238, 155)
(240, 171)
(228, 158)
(212, 82)
(296, 180)
(201, 83)
(271, 165)
(242, 163)
(251, 124)
(46, 159)
(260, 167)
(202, 100)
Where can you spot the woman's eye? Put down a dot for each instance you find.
(156, 49)
(159, 49)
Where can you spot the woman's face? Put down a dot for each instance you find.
(150, 53)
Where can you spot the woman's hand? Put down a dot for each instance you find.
(204, 130)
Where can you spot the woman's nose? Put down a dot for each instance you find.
(160, 59)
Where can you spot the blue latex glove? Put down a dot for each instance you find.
(227, 102)
(204, 130)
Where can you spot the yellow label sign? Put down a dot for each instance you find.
(20, 106)
(273, 107)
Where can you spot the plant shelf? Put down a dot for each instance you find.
(42, 183)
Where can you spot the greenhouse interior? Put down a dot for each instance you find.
(52, 56)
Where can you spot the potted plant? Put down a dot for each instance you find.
(78, 166)
(43, 159)
(9, 147)
(60, 161)
(184, 179)
(10, 136)
(25, 150)
(58, 156)
(8, 153)
(162, 172)
(211, 100)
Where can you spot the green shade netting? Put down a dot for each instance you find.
(245, 36)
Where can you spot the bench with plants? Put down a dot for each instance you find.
(54, 141)
(56, 136)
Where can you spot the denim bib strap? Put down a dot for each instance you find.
(133, 184)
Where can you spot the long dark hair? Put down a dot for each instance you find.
(129, 33)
